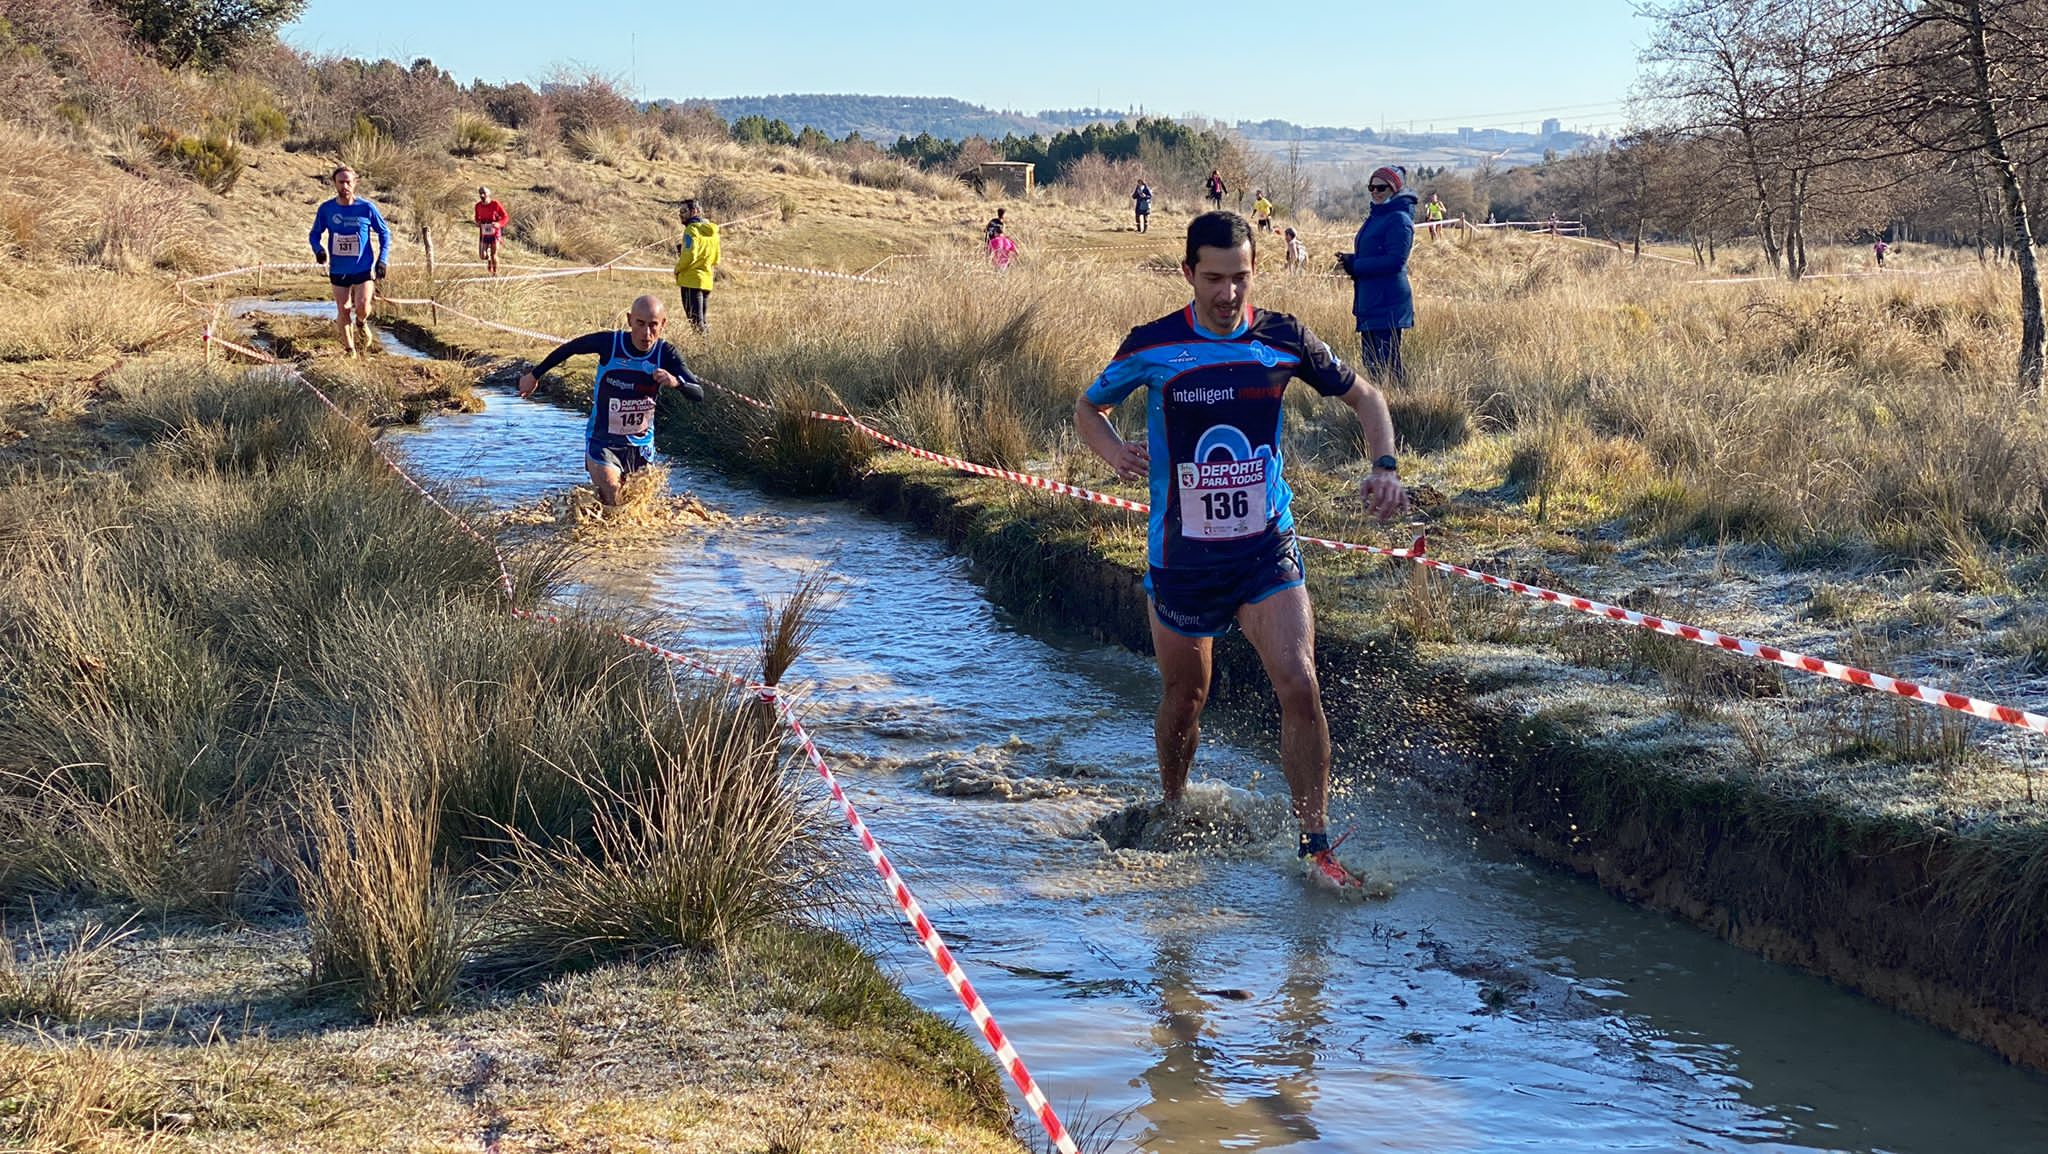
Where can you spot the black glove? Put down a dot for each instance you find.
(381, 270)
(319, 256)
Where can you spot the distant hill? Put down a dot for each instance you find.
(884, 118)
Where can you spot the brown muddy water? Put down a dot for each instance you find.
(1204, 995)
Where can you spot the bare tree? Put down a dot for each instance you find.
(1782, 87)
(1970, 77)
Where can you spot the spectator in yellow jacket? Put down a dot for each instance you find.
(695, 260)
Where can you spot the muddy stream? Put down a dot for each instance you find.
(1207, 998)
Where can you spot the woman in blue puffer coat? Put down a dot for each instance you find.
(1378, 266)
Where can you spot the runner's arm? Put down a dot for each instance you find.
(383, 235)
(686, 381)
(313, 238)
(1381, 489)
(595, 344)
(1130, 459)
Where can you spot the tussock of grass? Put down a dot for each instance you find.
(787, 627)
(707, 843)
(385, 920)
(256, 642)
(86, 314)
(56, 981)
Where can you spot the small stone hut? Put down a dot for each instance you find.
(1013, 178)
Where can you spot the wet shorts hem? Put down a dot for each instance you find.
(349, 279)
(1203, 602)
(627, 459)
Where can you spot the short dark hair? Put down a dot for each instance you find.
(1218, 230)
(689, 204)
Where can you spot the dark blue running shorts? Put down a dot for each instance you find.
(627, 459)
(1203, 601)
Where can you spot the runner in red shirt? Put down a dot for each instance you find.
(490, 222)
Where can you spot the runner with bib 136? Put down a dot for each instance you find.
(1221, 545)
(633, 367)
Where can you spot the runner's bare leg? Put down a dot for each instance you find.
(344, 327)
(1283, 630)
(1184, 664)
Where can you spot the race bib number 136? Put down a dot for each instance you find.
(1222, 500)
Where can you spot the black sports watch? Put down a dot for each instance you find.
(1385, 461)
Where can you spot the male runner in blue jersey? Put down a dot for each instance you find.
(1221, 542)
(633, 367)
(345, 223)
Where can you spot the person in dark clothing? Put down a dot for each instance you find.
(1216, 188)
(633, 367)
(1381, 300)
(1141, 199)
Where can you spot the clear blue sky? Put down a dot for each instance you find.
(1485, 63)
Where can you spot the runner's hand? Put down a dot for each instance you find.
(319, 256)
(1384, 494)
(381, 270)
(1131, 461)
(666, 380)
(527, 384)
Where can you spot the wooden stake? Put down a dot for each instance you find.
(427, 242)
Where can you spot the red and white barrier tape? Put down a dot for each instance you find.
(247, 268)
(802, 271)
(515, 330)
(1621, 250)
(1961, 703)
(928, 937)
(899, 891)
(1946, 699)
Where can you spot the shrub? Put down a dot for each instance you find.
(473, 135)
(213, 161)
(587, 100)
(209, 33)
(722, 196)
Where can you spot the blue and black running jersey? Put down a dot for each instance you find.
(622, 398)
(345, 230)
(1213, 428)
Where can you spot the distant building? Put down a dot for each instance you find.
(1551, 127)
(1464, 133)
(1013, 177)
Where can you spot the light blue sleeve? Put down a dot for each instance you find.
(1124, 376)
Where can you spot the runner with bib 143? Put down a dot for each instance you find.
(1220, 544)
(633, 367)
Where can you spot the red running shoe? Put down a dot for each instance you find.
(1324, 871)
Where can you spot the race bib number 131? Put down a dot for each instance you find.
(1222, 500)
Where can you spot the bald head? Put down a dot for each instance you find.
(645, 321)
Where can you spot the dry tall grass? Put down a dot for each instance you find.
(254, 644)
(61, 204)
